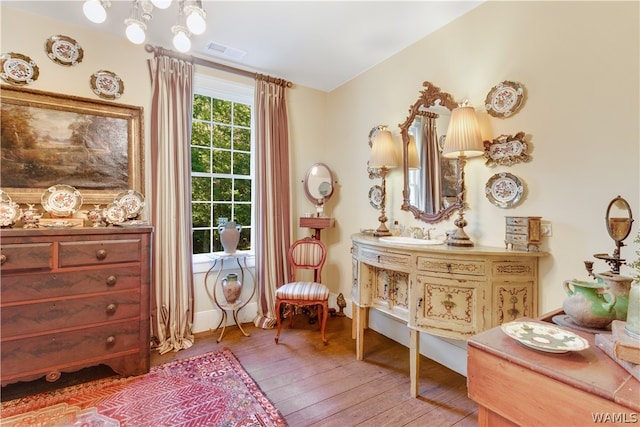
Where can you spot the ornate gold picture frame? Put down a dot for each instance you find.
(50, 138)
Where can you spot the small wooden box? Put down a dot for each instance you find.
(321, 222)
(522, 232)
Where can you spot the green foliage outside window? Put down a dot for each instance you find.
(220, 171)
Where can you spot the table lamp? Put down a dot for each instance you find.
(383, 157)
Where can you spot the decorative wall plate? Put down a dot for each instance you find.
(4, 196)
(504, 99)
(18, 69)
(61, 200)
(115, 214)
(506, 150)
(64, 50)
(548, 338)
(106, 84)
(375, 196)
(9, 213)
(504, 190)
(131, 201)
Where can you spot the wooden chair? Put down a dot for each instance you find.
(305, 254)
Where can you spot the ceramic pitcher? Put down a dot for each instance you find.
(231, 288)
(589, 304)
(229, 236)
(620, 287)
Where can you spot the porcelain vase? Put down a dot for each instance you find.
(231, 288)
(589, 304)
(229, 236)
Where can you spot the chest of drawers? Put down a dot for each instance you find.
(74, 298)
(522, 232)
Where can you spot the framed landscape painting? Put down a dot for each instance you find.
(49, 139)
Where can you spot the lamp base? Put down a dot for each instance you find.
(459, 238)
(382, 231)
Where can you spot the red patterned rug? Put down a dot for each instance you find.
(208, 390)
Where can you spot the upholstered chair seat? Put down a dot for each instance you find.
(308, 254)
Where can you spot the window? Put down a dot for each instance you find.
(221, 162)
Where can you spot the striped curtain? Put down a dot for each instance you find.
(273, 223)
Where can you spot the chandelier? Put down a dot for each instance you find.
(191, 19)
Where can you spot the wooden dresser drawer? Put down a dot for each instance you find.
(382, 258)
(27, 256)
(525, 268)
(23, 357)
(451, 265)
(38, 318)
(36, 286)
(72, 254)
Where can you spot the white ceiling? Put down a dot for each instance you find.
(318, 44)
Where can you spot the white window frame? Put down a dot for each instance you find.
(240, 93)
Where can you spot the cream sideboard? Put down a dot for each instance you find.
(72, 298)
(446, 291)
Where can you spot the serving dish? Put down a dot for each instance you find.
(9, 213)
(64, 50)
(135, 223)
(115, 214)
(59, 224)
(504, 190)
(506, 150)
(544, 337)
(106, 84)
(504, 99)
(132, 202)
(61, 200)
(18, 69)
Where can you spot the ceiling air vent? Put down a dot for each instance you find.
(225, 51)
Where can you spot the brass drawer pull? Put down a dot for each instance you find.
(3, 259)
(111, 340)
(101, 254)
(111, 308)
(111, 280)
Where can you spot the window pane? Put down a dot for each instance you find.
(243, 215)
(201, 134)
(201, 241)
(201, 214)
(200, 188)
(221, 111)
(222, 136)
(242, 139)
(200, 160)
(243, 190)
(221, 161)
(222, 189)
(221, 210)
(201, 107)
(241, 163)
(245, 239)
(242, 115)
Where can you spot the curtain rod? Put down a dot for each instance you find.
(199, 61)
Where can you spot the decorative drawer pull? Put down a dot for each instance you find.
(449, 267)
(101, 254)
(3, 259)
(111, 308)
(395, 291)
(111, 280)
(53, 376)
(419, 302)
(111, 340)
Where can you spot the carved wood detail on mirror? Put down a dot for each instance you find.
(432, 204)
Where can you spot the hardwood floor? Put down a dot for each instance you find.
(316, 385)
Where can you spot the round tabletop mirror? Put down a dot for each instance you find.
(318, 184)
(619, 219)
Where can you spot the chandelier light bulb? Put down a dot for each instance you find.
(181, 41)
(161, 4)
(94, 11)
(135, 31)
(195, 21)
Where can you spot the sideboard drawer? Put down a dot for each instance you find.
(98, 252)
(35, 286)
(27, 319)
(25, 257)
(382, 258)
(40, 354)
(516, 268)
(451, 265)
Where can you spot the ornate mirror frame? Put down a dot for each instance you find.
(430, 96)
(319, 183)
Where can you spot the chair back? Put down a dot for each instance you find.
(307, 254)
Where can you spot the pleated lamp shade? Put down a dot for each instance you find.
(463, 135)
(383, 151)
(414, 158)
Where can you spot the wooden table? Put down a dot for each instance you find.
(514, 385)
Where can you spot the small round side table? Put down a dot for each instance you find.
(218, 261)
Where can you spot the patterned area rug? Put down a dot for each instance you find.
(209, 390)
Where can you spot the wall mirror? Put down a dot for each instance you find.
(619, 219)
(429, 179)
(318, 184)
